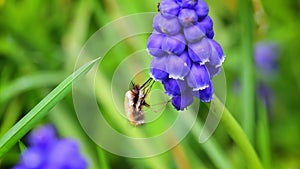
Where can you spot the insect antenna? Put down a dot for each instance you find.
(132, 84)
(147, 83)
(147, 88)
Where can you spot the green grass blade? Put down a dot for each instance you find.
(248, 81)
(41, 109)
(237, 134)
(263, 139)
(102, 158)
(212, 149)
(22, 146)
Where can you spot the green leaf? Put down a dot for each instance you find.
(212, 148)
(41, 109)
(263, 139)
(22, 146)
(102, 158)
(247, 68)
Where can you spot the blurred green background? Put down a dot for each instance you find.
(40, 40)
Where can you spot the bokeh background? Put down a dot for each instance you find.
(40, 41)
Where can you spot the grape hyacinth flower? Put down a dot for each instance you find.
(46, 151)
(266, 57)
(185, 55)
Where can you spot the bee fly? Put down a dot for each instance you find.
(135, 100)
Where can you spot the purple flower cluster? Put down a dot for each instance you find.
(185, 56)
(46, 151)
(266, 55)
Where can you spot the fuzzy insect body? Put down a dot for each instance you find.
(135, 101)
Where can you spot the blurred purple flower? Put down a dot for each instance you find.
(186, 57)
(46, 151)
(43, 136)
(266, 57)
(265, 93)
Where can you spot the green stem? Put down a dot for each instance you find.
(263, 140)
(102, 158)
(247, 81)
(238, 135)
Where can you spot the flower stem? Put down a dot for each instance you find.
(263, 140)
(238, 135)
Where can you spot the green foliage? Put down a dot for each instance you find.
(41, 109)
(39, 44)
